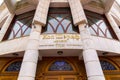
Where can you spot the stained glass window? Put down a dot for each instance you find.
(98, 25)
(15, 66)
(21, 25)
(60, 21)
(60, 66)
(107, 65)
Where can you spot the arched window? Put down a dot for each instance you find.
(21, 26)
(60, 66)
(99, 26)
(60, 21)
(15, 66)
(107, 65)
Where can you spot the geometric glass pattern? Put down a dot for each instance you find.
(60, 21)
(15, 66)
(107, 65)
(60, 66)
(98, 25)
(21, 25)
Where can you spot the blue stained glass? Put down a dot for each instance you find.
(60, 66)
(14, 66)
(107, 66)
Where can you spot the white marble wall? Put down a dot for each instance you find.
(107, 45)
(101, 44)
(12, 46)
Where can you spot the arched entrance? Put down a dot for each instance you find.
(60, 69)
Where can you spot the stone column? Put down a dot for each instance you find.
(113, 24)
(91, 60)
(29, 64)
(92, 63)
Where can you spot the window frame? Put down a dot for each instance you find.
(9, 30)
(109, 27)
(73, 26)
(60, 70)
(111, 62)
(8, 64)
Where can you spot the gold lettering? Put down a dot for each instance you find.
(48, 37)
(62, 36)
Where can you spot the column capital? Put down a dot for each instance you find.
(82, 26)
(84, 32)
(37, 27)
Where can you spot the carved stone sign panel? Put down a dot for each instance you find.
(57, 41)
